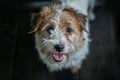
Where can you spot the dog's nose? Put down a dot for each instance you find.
(59, 47)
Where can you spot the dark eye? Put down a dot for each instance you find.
(49, 29)
(69, 30)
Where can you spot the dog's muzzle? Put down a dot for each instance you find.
(59, 47)
(58, 56)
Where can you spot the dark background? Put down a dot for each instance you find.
(19, 59)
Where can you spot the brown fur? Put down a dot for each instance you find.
(68, 18)
(39, 19)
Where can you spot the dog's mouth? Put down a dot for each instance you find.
(58, 57)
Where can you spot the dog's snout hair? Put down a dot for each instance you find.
(57, 36)
(60, 35)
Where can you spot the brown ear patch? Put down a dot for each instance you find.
(34, 20)
(38, 20)
(83, 19)
(79, 17)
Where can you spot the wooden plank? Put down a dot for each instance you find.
(7, 44)
(115, 48)
(22, 60)
(98, 65)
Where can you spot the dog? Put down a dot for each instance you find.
(62, 34)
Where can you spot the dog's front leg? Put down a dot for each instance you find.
(75, 68)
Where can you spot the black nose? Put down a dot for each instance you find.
(59, 47)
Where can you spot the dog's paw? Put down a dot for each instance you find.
(50, 70)
(75, 69)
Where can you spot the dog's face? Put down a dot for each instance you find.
(59, 33)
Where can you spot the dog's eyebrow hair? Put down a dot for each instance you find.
(53, 20)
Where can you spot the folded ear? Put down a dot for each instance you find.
(83, 19)
(34, 19)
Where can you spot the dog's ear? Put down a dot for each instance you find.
(83, 20)
(34, 19)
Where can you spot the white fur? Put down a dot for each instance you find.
(58, 37)
(73, 60)
(83, 6)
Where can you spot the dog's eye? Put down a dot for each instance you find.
(50, 29)
(69, 30)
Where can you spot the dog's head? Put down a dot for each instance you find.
(58, 32)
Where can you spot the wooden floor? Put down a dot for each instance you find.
(19, 59)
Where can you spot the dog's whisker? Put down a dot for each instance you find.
(48, 40)
(53, 20)
(43, 45)
(72, 48)
(61, 34)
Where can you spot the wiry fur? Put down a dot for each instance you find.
(76, 43)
